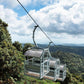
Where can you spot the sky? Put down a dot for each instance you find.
(62, 20)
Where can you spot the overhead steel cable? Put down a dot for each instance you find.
(35, 22)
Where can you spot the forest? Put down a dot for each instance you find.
(12, 61)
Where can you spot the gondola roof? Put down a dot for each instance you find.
(34, 52)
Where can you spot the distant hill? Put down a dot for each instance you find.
(69, 49)
(77, 49)
(74, 62)
(78, 45)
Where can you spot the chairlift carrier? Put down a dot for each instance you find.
(39, 62)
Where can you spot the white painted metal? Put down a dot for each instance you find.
(44, 63)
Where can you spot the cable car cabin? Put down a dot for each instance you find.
(37, 62)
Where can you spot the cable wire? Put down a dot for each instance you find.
(35, 22)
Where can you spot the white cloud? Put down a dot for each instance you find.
(20, 29)
(14, 3)
(35, 3)
(16, 26)
(62, 21)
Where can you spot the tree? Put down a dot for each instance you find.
(18, 45)
(11, 60)
(26, 46)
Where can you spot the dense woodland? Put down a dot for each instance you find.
(69, 49)
(12, 62)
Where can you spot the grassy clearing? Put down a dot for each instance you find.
(31, 80)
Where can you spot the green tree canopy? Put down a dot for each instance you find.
(18, 45)
(11, 60)
(26, 46)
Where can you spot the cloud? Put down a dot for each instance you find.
(63, 22)
(20, 29)
(63, 17)
(16, 26)
(14, 3)
(34, 3)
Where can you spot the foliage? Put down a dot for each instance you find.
(18, 45)
(26, 46)
(69, 49)
(74, 62)
(75, 65)
(11, 60)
